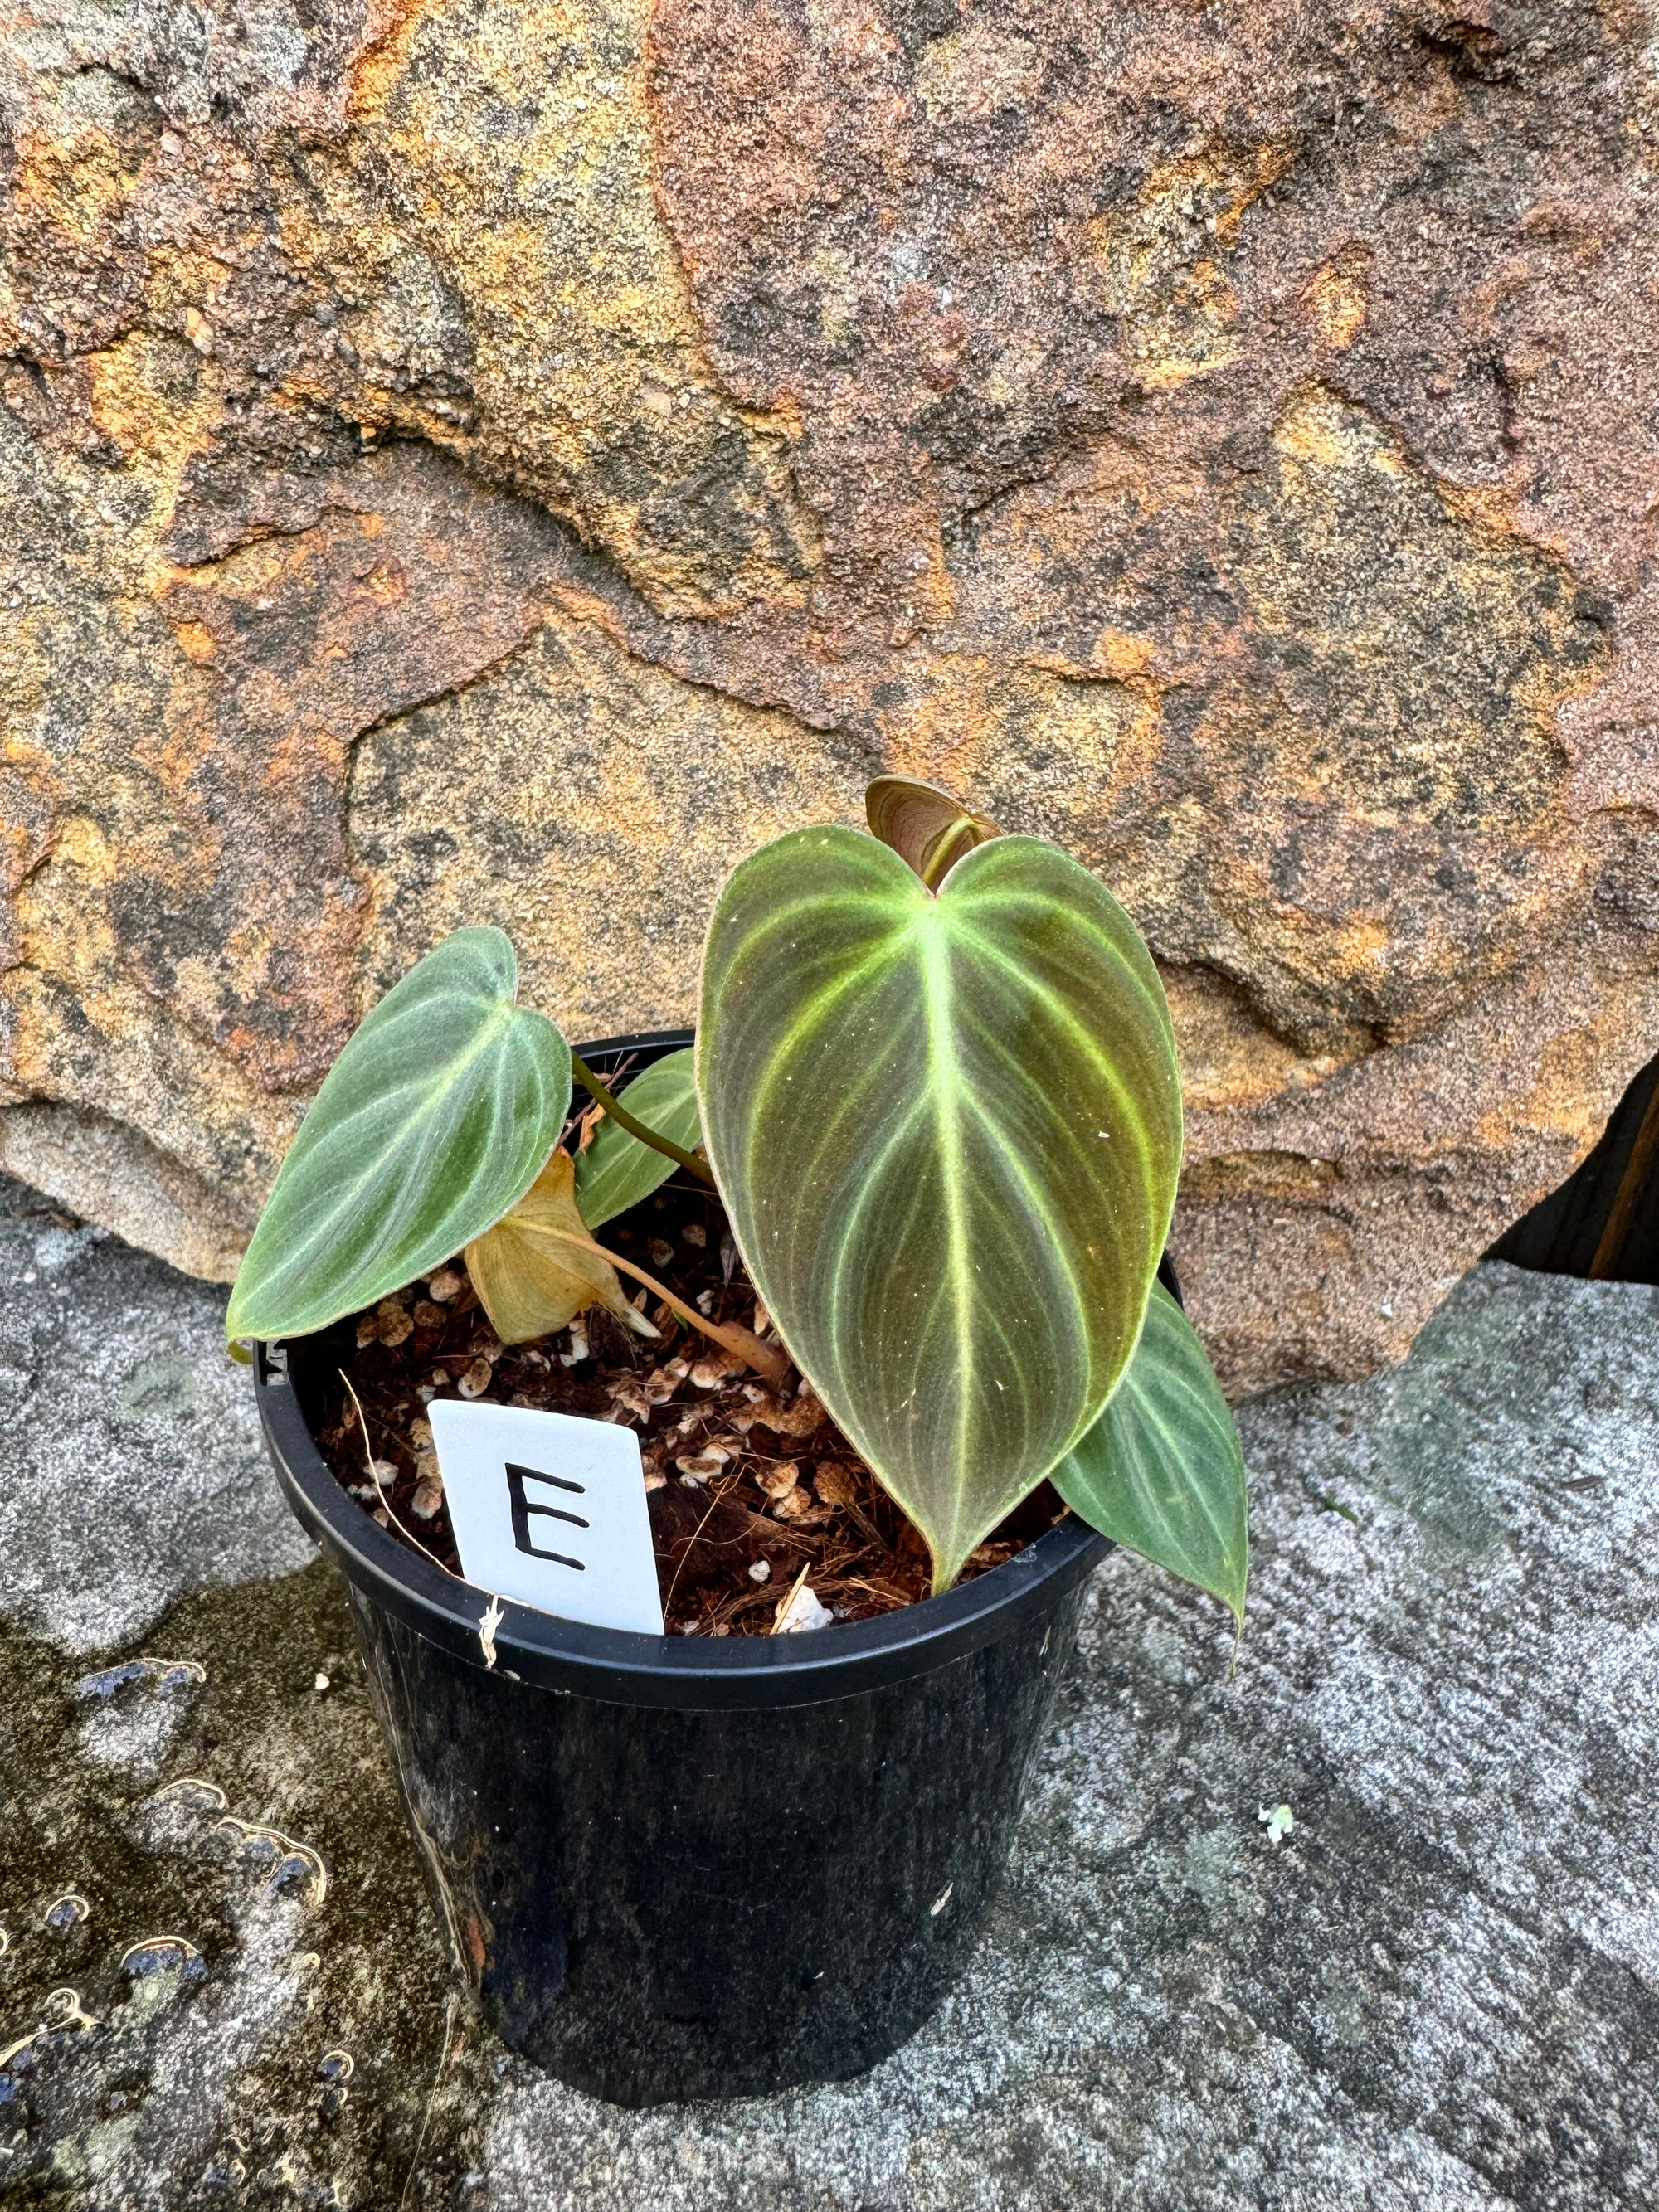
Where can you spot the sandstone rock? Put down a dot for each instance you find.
(475, 460)
(1436, 1987)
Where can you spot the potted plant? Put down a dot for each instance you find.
(933, 1124)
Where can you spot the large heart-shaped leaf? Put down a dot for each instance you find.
(438, 1115)
(616, 1170)
(947, 1130)
(1162, 1470)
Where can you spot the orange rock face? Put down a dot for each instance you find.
(493, 459)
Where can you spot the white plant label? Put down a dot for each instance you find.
(549, 1510)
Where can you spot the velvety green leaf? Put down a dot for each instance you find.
(947, 1130)
(924, 825)
(616, 1170)
(439, 1114)
(1162, 1470)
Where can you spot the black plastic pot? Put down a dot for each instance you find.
(674, 1867)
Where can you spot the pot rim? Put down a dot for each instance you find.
(616, 1666)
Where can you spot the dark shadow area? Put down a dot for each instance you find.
(1604, 1220)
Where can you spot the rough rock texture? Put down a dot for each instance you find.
(1438, 1992)
(483, 457)
(269, 1989)
(132, 1465)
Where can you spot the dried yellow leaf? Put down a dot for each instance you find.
(530, 1279)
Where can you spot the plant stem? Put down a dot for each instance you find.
(618, 1112)
(765, 1358)
(947, 848)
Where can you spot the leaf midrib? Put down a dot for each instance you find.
(936, 990)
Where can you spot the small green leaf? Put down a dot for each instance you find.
(616, 1170)
(925, 825)
(1162, 1471)
(947, 1130)
(440, 1113)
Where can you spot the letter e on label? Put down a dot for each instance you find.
(549, 1511)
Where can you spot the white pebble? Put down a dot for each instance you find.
(804, 1610)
